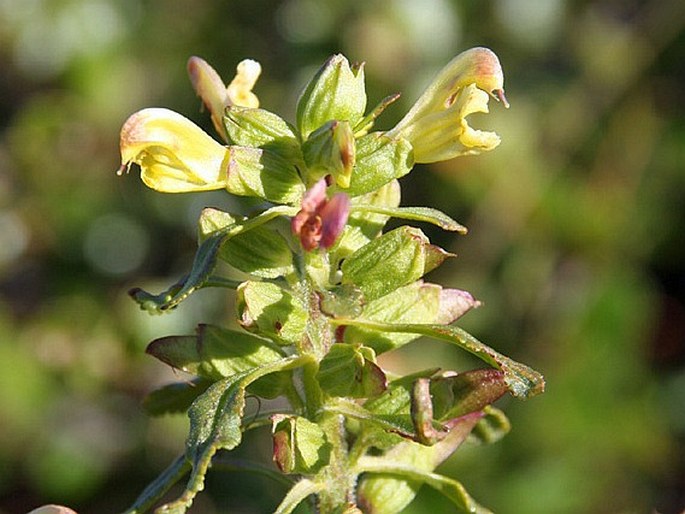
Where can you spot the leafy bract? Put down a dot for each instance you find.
(204, 263)
(393, 260)
(215, 424)
(262, 251)
(522, 381)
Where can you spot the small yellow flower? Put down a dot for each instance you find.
(436, 125)
(216, 96)
(174, 154)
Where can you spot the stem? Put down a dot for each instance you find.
(154, 492)
(337, 475)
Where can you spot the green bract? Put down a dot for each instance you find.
(391, 261)
(323, 289)
(336, 92)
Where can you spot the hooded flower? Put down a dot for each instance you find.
(436, 125)
(216, 95)
(174, 154)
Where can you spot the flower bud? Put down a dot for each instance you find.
(174, 154)
(436, 125)
(336, 92)
(330, 150)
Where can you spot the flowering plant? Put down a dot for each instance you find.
(328, 292)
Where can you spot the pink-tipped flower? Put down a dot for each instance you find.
(216, 95)
(436, 125)
(320, 220)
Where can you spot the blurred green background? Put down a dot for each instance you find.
(576, 243)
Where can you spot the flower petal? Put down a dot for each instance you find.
(174, 154)
(240, 89)
(334, 217)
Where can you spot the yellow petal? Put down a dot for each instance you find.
(173, 153)
(436, 125)
(240, 89)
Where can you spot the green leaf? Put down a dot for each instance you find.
(387, 430)
(427, 214)
(300, 446)
(349, 370)
(203, 266)
(379, 160)
(215, 424)
(364, 125)
(393, 260)
(336, 92)
(262, 252)
(417, 302)
(389, 494)
(174, 398)
(204, 263)
(264, 174)
(522, 381)
(259, 128)
(215, 352)
(385, 417)
(270, 310)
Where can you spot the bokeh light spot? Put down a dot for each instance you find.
(115, 244)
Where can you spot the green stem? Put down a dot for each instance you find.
(337, 475)
(154, 492)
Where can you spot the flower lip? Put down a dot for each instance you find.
(173, 153)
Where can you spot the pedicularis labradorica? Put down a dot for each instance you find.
(328, 290)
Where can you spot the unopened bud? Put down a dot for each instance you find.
(330, 150)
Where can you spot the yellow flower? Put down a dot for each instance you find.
(436, 125)
(174, 154)
(216, 96)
